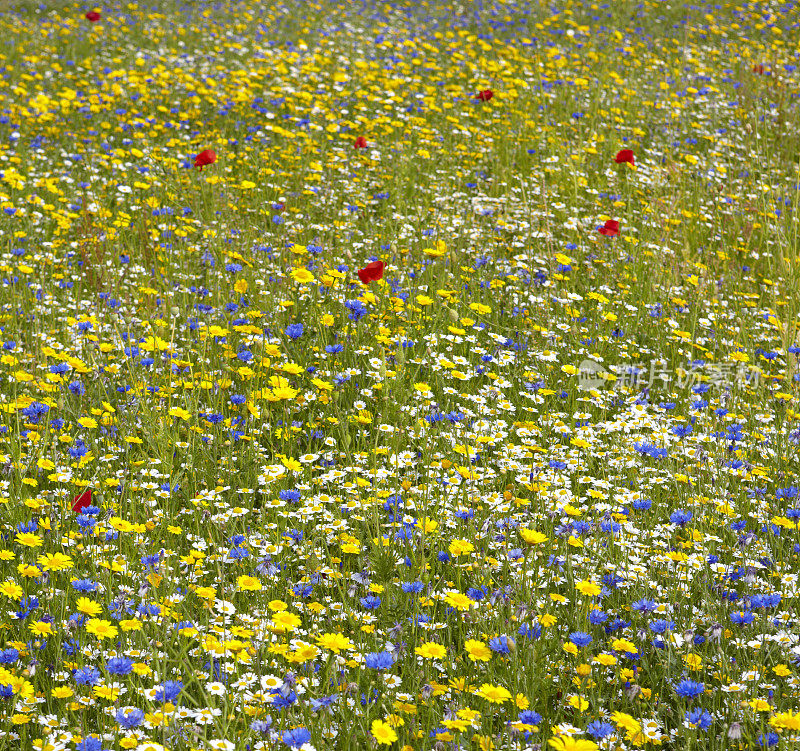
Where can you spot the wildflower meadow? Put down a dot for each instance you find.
(405, 375)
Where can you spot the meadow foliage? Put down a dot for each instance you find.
(412, 375)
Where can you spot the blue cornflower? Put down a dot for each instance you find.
(743, 617)
(501, 644)
(334, 349)
(87, 676)
(90, 743)
(689, 689)
(129, 718)
(596, 617)
(323, 702)
(529, 717)
(370, 602)
(119, 665)
(379, 660)
(661, 625)
(699, 718)
(261, 726)
(580, 639)
(599, 729)
(296, 738)
(169, 691)
(8, 656)
(644, 605)
(412, 587)
(680, 517)
(294, 330)
(530, 632)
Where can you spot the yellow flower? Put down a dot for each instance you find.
(588, 588)
(431, 650)
(493, 694)
(89, 607)
(29, 540)
(335, 642)
(428, 526)
(606, 660)
(623, 645)
(383, 732)
(302, 276)
(532, 537)
(285, 621)
(41, 628)
(693, 661)
(477, 650)
(786, 721)
(480, 309)
(458, 600)
(54, 562)
(578, 702)
(11, 589)
(248, 583)
(625, 721)
(304, 652)
(62, 692)
(461, 547)
(572, 744)
(111, 693)
(101, 629)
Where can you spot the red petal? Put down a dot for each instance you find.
(80, 502)
(208, 156)
(610, 228)
(371, 272)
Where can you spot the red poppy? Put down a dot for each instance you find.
(209, 156)
(360, 143)
(626, 155)
(371, 272)
(485, 95)
(610, 228)
(92, 16)
(80, 502)
(759, 69)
